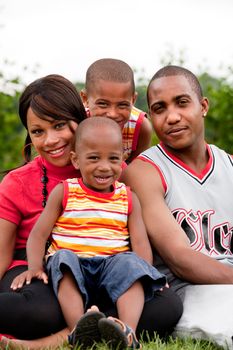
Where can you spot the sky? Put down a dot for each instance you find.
(66, 36)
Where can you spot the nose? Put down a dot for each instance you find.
(51, 138)
(104, 165)
(173, 116)
(112, 113)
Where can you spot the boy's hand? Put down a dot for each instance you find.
(26, 277)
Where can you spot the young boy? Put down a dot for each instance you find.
(110, 92)
(93, 222)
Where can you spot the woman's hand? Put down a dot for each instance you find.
(26, 277)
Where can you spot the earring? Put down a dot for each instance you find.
(205, 114)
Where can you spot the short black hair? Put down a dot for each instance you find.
(109, 69)
(172, 70)
(96, 122)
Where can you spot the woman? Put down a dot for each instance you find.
(50, 109)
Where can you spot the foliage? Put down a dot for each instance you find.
(11, 131)
(219, 121)
(79, 86)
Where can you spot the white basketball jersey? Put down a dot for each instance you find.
(201, 203)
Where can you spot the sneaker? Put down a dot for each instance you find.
(117, 335)
(86, 332)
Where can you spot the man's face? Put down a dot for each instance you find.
(176, 112)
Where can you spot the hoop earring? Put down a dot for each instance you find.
(32, 154)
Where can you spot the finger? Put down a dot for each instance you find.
(28, 279)
(44, 277)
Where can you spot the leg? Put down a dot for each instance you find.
(58, 339)
(120, 334)
(53, 341)
(130, 305)
(159, 315)
(70, 299)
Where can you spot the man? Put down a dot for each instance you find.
(185, 188)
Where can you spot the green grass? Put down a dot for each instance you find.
(170, 344)
(155, 344)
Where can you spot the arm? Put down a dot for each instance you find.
(7, 244)
(38, 238)
(165, 233)
(144, 139)
(43, 227)
(138, 236)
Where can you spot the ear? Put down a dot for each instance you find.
(74, 160)
(135, 97)
(84, 98)
(205, 106)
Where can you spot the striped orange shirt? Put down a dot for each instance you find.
(92, 223)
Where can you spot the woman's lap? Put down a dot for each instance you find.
(31, 312)
(34, 311)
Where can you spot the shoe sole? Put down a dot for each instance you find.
(112, 334)
(86, 332)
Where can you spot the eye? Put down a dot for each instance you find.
(124, 106)
(60, 125)
(102, 104)
(115, 159)
(36, 132)
(94, 158)
(183, 102)
(157, 109)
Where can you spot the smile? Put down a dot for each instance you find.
(176, 130)
(102, 179)
(56, 151)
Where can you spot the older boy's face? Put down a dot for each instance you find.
(176, 112)
(112, 100)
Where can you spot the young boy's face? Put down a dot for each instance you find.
(99, 158)
(110, 99)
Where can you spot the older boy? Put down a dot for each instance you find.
(110, 92)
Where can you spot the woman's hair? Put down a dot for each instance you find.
(50, 96)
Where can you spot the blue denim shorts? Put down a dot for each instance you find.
(112, 274)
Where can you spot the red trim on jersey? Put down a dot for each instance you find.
(137, 130)
(130, 202)
(157, 168)
(202, 174)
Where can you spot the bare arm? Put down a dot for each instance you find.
(43, 227)
(138, 235)
(165, 233)
(144, 139)
(7, 244)
(38, 238)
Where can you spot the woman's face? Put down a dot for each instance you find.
(52, 139)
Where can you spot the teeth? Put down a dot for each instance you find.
(57, 151)
(102, 178)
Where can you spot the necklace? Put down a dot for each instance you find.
(44, 180)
